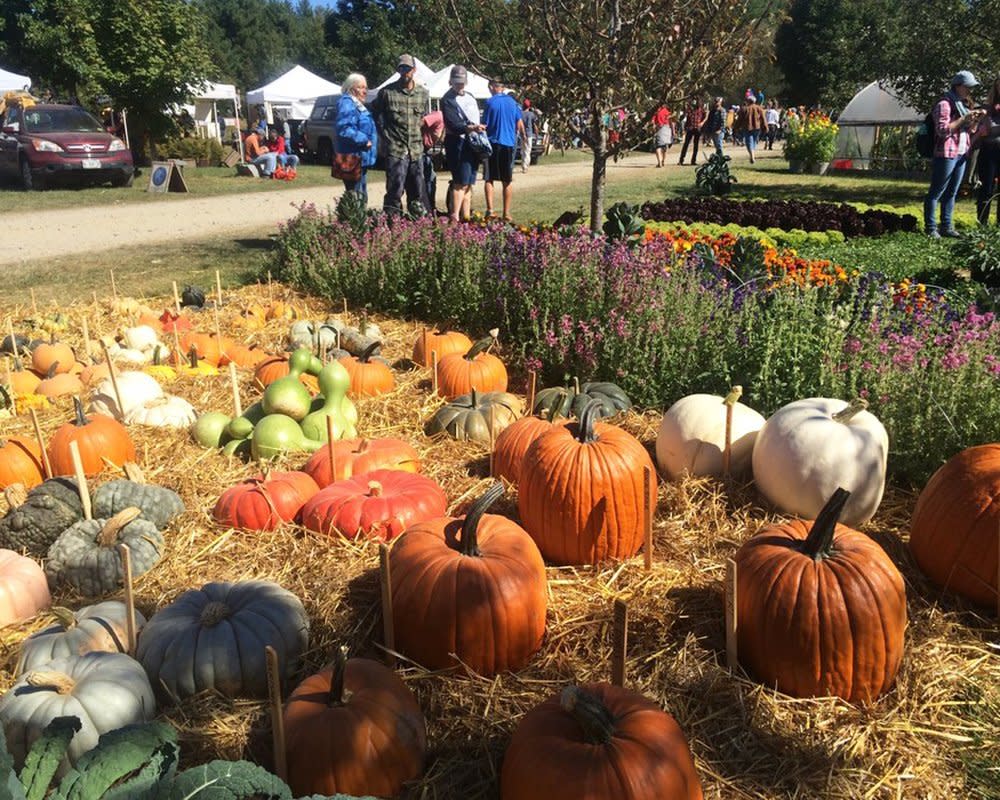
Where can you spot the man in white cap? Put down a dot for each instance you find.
(399, 109)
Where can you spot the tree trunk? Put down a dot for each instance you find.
(598, 176)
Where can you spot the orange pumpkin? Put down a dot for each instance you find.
(444, 343)
(253, 317)
(169, 322)
(358, 456)
(513, 442)
(477, 369)
(368, 378)
(279, 309)
(20, 462)
(206, 345)
(355, 729)
(274, 367)
(953, 536)
(52, 355)
(242, 356)
(95, 373)
(98, 438)
(59, 384)
(23, 381)
(580, 491)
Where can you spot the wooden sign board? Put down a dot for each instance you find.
(166, 176)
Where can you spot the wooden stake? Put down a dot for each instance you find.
(727, 449)
(732, 619)
(998, 569)
(647, 516)
(13, 338)
(218, 287)
(532, 382)
(179, 356)
(237, 403)
(270, 288)
(114, 286)
(46, 464)
(126, 553)
(427, 347)
(434, 372)
(86, 335)
(96, 301)
(34, 304)
(331, 454)
(493, 436)
(10, 392)
(619, 642)
(388, 630)
(345, 305)
(277, 719)
(218, 328)
(81, 480)
(113, 372)
(177, 301)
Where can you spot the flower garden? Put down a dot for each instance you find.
(322, 456)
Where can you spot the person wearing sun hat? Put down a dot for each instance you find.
(399, 110)
(953, 125)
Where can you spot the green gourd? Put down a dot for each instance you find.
(242, 427)
(287, 396)
(276, 435)
(210, 429)
(334, 382)
(237, 447)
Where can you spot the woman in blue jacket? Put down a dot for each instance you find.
(356, 130)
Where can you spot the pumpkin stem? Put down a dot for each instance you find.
(576, 384)
(470, 528)
(81, 418)
(368, 352)
(214, 613)
(856, 406)
(820, 539)
(585, 427)
(474, 402)
(337, 678)
(481, 346)
(109, 533)
(51, 371)
(64, 616)
(156, 356)
(375, 488)
(193, 357)
(16, 495)
(7, 402)
(362, 446)
(733, 397)
(591, 714)
(53, 681)
(133, 472)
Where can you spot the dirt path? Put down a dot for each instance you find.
(62, 232)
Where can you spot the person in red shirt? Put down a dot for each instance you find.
(276, 145)
(664, 134)
(694, 118)
(432, 129)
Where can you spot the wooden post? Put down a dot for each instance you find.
(434, 372)
(218, 329)
(114, 286)
(96, 301)
(998, 569)
(277, 719)
(46, 464)
(270, 288)
(34, 303)
(619, 642)
(647, 516)
(331, 454)
(427, 348)
(237, 403)
(218, 287)
(493, 435)
(345, 305)
(126, 554)
(86, 335)
(732, 619)
(177, 302)
(727, 449)
(388, 629)
(13, 338)
(113, 372)
(81, 480)
(532, 382)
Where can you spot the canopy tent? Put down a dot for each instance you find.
(295, 92)
(12, 82)
(424, 75)
(866, 120)
(477, 85)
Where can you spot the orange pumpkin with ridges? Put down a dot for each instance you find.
(20, 462)
(98, 437)
(460, 373)
(443, 342)
(358, 456)
(368, 378)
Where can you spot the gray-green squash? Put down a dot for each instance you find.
(37, 519)
(471, 416)
(86, 555)
(158, 504)
(573, 399)
(213, 639)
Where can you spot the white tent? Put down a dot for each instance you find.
(205, 111)
(866, 119)
(477, 85)
(295, 91)
(12, 82)
(424, 75)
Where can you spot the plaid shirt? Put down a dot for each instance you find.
(694, 118)
(399, 112)
(948, 144)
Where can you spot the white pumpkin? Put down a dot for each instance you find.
(136, 388)
(692, 436)
(105, 691)
(141, 337)
(809, 448)
(169, 411)
(101, 627)
(129, 356)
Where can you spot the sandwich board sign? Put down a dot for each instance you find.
(167, 176)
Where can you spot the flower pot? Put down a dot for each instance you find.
(818, 168)
(794, 165)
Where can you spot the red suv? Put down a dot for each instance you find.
(44, 143)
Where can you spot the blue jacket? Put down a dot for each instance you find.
(355, 128)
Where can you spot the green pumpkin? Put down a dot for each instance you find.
(242, 427)
(276, 435)
(36, 521)
(333, 402)
(86, 555)
(571, 400)
(158, 504)
(470, 417)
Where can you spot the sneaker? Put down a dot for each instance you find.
(952, 234)
(933, 234)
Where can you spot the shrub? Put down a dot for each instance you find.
(714, 176)
(814, 141)
(979, 251)
(191, 149)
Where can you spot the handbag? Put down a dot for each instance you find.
(478, 141)
(346, 167)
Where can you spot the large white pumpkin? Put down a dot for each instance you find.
(169, 411)
(810, 447)
(692, 436)
(137, 388)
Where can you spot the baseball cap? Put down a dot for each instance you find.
(458, 75)
(405, 60)
(964, 78)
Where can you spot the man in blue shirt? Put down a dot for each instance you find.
(504, 125)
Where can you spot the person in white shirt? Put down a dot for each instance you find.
(772, 117)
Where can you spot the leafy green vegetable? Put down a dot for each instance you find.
(46, 755)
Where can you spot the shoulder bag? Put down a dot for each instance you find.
(478, 140)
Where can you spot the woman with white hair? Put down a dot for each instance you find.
(357, 141)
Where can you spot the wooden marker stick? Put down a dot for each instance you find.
(619, 642)
(113, 372)
(46, 464)
(81, 480)
(34, 303)
(270, 288)
(218, 328)
(86, 335)
(10, 392)
(277, 719)
(732, 620)
(345, 305)
(532, 382)
(114, 286)
(13, 338)
(177, 301)
(126, 554)
(647, 516)
(388, 629)
(237, 403)
(330, 452)
(727, 450)
(427, 346)
(434, 372)
(218, 287)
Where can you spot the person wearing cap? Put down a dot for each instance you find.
(504, 125)
(953, 125)
(461, 117)
(399, 109)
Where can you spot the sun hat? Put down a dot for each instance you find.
(964, 78)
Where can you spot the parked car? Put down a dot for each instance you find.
(319, 132)
(43, 143)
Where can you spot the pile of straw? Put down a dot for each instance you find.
(748, 741)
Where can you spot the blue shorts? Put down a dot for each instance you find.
(463, 163)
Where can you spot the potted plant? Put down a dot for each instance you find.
(810, 144)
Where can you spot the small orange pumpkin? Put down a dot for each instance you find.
(477, 369)
(242, 356)
(23, 381)
(58, 384)
(98, 437)
(20, 462)
(204, 344)
(443, 342)
(368, 378)
(274, 367)
(52, 354)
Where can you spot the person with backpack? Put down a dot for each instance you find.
(952, 124)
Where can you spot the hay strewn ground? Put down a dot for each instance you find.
(749, 742)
